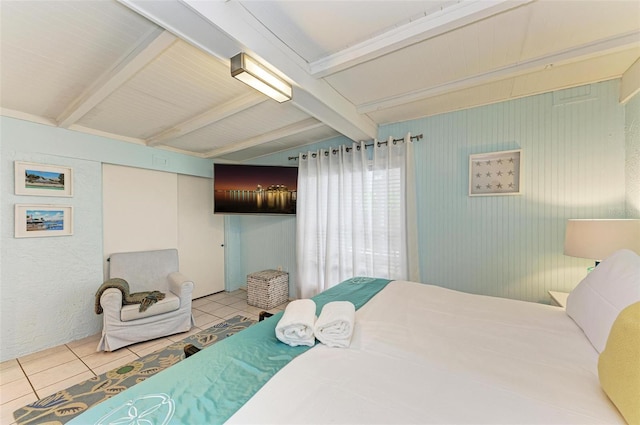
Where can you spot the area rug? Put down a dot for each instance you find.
(64, 405)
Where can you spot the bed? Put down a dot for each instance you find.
(419, 354)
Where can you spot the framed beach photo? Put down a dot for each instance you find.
(495, 173)
(43, 179)
(34, 221)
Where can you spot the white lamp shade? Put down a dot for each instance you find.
(597, 239)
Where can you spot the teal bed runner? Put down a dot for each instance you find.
(210, 386)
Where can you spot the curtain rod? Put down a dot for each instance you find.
(335, 150)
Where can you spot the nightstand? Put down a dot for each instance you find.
(559, 298)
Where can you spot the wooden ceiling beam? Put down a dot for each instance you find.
(209, 117)
(432, 25)
(585, 51)
(630, 82)
(137, 58)
(227, 28)
(299, 127)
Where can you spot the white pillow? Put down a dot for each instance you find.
(598, 299)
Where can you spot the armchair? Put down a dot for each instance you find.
(145, 271)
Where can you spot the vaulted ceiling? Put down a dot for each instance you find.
(157, 72)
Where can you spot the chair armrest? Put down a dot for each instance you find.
(180, 285)
(111, 302)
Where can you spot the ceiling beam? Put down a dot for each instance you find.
(290, 130)
(429, 26)
(225, 28)
(13, 113)
(114, 136)
(181, 20)
(321, 100)
(608, 45)
(209, 117)
(630, 83)
(154, 43)
(134, 140)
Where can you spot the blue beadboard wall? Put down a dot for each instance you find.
(573, 166)
(254, 243)
(632, 166)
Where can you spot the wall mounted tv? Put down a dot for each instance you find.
(254, 189)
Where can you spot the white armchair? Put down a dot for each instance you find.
(145, 271)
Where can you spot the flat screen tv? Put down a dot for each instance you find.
(254, 189)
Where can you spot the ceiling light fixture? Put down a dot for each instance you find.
(254, 74)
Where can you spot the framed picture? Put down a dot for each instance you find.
(495, 173)
(43, 179)
(33, 221)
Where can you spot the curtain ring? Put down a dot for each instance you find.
(314, 155)
(304, 156)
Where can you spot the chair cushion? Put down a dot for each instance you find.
(144, 270)
(170, 303)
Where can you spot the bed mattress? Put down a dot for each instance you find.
(425, 354)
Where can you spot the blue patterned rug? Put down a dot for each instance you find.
(64, 405)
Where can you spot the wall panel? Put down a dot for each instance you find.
(573, 144)
(255, 243)
(44, 278)
(47, 284)
(200, 236)
(573, 153)
(632, 164)
(140, 209)
(269, 242)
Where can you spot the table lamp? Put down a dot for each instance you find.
(597, 239)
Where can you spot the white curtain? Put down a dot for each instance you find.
(353, 217)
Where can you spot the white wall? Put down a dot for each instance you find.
(47, 285)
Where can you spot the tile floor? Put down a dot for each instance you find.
(37, 375)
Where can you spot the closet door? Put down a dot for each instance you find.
(200, 235)
(139, 209)
(147, 209)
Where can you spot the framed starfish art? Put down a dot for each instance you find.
(495, 173)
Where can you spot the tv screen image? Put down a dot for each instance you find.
(254, 189)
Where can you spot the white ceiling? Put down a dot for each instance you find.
(157, 72)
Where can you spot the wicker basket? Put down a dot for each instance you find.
(267, 289)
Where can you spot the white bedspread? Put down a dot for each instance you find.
(425, 354)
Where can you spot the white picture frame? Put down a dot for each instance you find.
(34, 221)
(43, 179)
(495, 173)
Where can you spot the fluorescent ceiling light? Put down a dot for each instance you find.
(251, 72)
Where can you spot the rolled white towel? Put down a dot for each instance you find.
(296, 324)
(334, 327)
